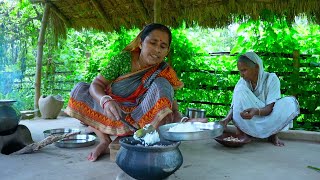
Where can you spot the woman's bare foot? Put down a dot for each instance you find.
(101, 149)
(275, 140)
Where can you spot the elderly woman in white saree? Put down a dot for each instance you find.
(257, 108)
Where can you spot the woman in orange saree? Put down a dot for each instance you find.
(137, 86)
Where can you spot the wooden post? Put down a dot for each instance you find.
(157, 11)
(44, 23)
(295, 75)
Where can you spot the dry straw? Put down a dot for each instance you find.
(110, 15)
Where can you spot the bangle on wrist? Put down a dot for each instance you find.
(101, 99)
(259, 111)
(108, 100)
(184, 119)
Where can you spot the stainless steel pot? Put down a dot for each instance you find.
(9, 116)
(195, 113)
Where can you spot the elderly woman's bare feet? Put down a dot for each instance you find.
(275, 140)
(101, 149)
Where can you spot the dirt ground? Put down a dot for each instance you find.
(203, 159)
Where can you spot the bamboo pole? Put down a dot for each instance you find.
(44, 23)
(296, 67)
(157, 11)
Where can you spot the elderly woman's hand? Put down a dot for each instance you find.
(248, 113)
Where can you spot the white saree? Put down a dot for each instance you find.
(266, 92)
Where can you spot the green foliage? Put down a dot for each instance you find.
(278, 37)
(208, 79)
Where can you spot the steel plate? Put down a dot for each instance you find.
(209, 130)
(59, 131)
(80, 140)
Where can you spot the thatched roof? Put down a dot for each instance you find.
(109, 15)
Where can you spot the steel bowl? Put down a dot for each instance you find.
(208, 130)
(195, 113)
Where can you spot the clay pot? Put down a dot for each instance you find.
(149, 162)
(50, 106)
(9, 116)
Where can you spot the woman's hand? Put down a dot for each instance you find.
(249, 113)
(112, 110)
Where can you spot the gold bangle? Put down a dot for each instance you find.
(259, 111)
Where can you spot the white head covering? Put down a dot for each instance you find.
(262, 74)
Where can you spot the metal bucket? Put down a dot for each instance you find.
(195, 113)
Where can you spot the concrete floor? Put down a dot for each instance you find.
(204, 159)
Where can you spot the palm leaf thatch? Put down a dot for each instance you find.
(110, 15)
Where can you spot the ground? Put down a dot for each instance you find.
(203, 159)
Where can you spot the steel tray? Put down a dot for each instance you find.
(59, 131)
(80, 140)
(209, 130)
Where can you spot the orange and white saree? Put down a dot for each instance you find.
(146, 97)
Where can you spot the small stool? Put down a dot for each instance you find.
(114, 147)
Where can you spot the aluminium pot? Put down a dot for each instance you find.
(9, 116)
(149, 162)
(195, 113)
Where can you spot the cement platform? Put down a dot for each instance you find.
(203, 159)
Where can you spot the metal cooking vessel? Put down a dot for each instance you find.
(149, 162)
(9, 116)
(195, 113)
(209, 130)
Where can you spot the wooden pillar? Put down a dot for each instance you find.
(296, 69)
(44, 23)
(157, 11)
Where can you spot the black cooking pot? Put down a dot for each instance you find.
(149, 162)
(9, 117)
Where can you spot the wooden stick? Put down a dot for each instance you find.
(31, 148)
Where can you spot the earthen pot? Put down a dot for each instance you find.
(50, 106)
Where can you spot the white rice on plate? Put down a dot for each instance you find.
(184, 127)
